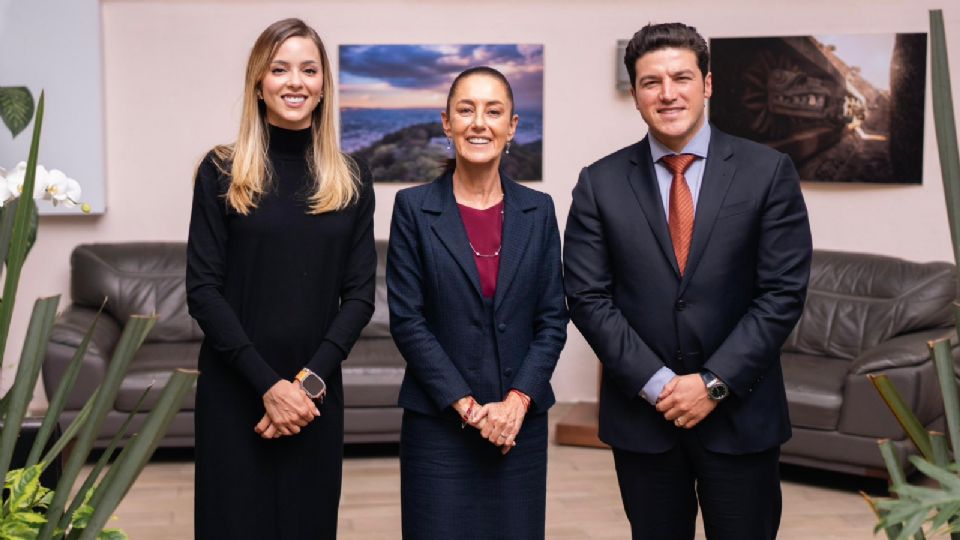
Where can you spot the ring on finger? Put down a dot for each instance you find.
(679, 422)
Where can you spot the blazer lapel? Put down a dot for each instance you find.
(717, 175)
(643, 180)
(449, 228)
(517, 226)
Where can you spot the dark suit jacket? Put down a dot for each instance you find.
(740, 297)
(437, 314)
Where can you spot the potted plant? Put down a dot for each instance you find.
(935, 504)
(29, 510)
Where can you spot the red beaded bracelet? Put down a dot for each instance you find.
(525, 399)
(465, 419)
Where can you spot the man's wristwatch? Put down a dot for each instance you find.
(312, 384)
(717, 390)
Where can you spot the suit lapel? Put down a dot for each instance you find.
(449, 228)
(517, 226)
(717, 175)
(643, 180)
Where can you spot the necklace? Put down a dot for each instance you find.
(495, 253)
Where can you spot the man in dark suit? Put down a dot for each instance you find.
(687, 257)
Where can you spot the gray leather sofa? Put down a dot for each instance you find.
(144, 278)
(864, 314)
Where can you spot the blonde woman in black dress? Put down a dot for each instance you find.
(280, 277)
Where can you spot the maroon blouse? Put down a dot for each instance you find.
(485, 232)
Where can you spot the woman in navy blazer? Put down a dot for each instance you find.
(477, 310)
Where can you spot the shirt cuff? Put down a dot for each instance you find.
(651, 390)
(256, 370)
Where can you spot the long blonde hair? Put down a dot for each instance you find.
(336, 175)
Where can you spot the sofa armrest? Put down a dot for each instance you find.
(902, 351)
(905, 360)
(65, 339)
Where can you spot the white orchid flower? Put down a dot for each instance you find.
(16, 177)
(53, 186)
(5, 193)
(61, 189)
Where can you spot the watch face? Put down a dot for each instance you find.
(718, 391)
(314, 385)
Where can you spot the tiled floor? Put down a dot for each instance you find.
(583, 501)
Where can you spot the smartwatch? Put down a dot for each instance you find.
(312, 384)
(717, 390)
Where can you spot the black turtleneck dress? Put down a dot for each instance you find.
(273, 291)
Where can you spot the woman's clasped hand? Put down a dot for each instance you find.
(498, 422)
(288, 408)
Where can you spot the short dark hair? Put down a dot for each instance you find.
(480, 70)
(653, 37)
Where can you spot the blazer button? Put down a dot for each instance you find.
(502, 327)
(679, 356)
(681, 304)
(508, 372)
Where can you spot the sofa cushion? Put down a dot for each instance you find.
(372, 374)
(153, 364)
(371, 387)
(166, 356)
(137, 278)
(134, 384)
(380, 321)
(814, 389)
(856, 301)
(375, 352)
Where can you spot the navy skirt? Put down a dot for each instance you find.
(457, 485)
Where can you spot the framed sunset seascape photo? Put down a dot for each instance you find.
(391, 97)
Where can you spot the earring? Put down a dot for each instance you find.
(508, 147)
(449, 143)
(259, 95)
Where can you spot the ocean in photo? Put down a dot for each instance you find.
(361, 128)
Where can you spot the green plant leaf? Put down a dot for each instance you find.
(943, 360)
(23, 489)
(31, 359)
(33, 519)
(892, 460)
(901, 411)
(87, 486)
(946, 478)
(943, 122)
(138, 452)
(16, 108)
(112, 534)
(16, 530)
(45, 498)
(913, 527)
(71, 431)
(81, 517)
(134, 332)
(59, 398)
(20, 238)
(946, 514)
(941, 449)
(42, 494)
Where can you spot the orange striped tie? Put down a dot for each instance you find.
(681, 207)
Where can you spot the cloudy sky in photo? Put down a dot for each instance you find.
(419, 76)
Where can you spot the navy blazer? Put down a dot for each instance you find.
(437, 314)
(741, 295)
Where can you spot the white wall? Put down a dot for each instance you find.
(173, 75)
(54, 45)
